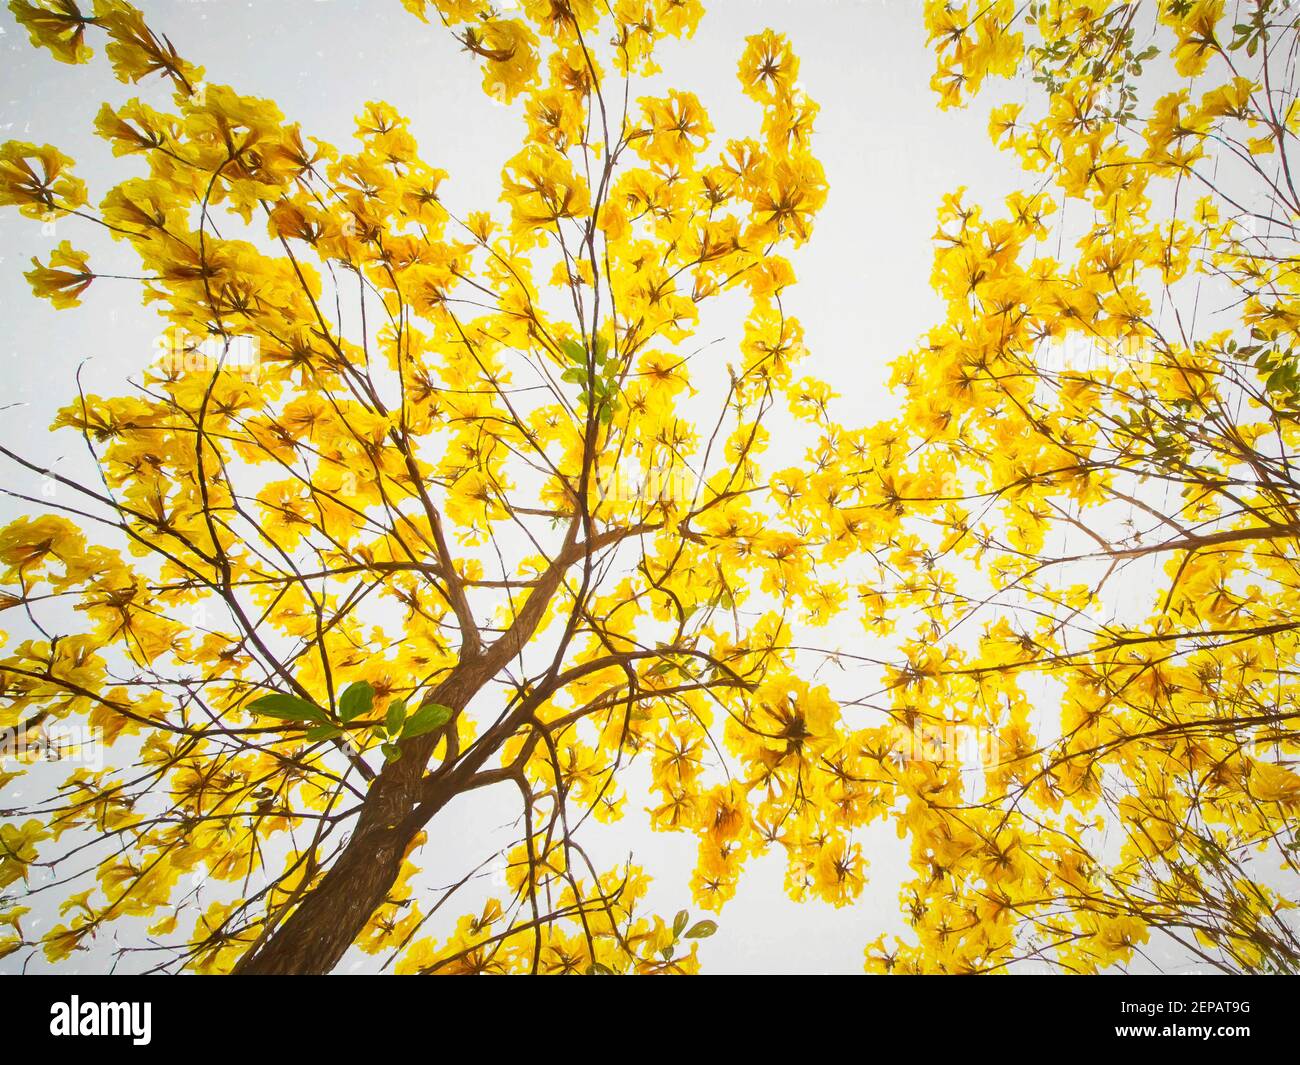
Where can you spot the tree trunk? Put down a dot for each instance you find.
(313, 938)
(400, 802)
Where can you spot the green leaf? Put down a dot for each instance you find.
(575, 351)
(679, 922)
(430, 716)
(288, 708)
(357, 699)
(395, 716)
(701, 930)
(392, 752)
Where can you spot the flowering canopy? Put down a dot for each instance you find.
(461, 525)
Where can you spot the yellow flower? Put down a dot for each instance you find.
(66, 277)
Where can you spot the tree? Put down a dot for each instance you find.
(450, 530)
(1110, 413)
(462, 526)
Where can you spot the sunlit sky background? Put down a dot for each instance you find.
(863, 297)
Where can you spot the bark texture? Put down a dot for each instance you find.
(402, 799)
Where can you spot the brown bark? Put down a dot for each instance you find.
(400, 802)
(318, 933)
(402, 799)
